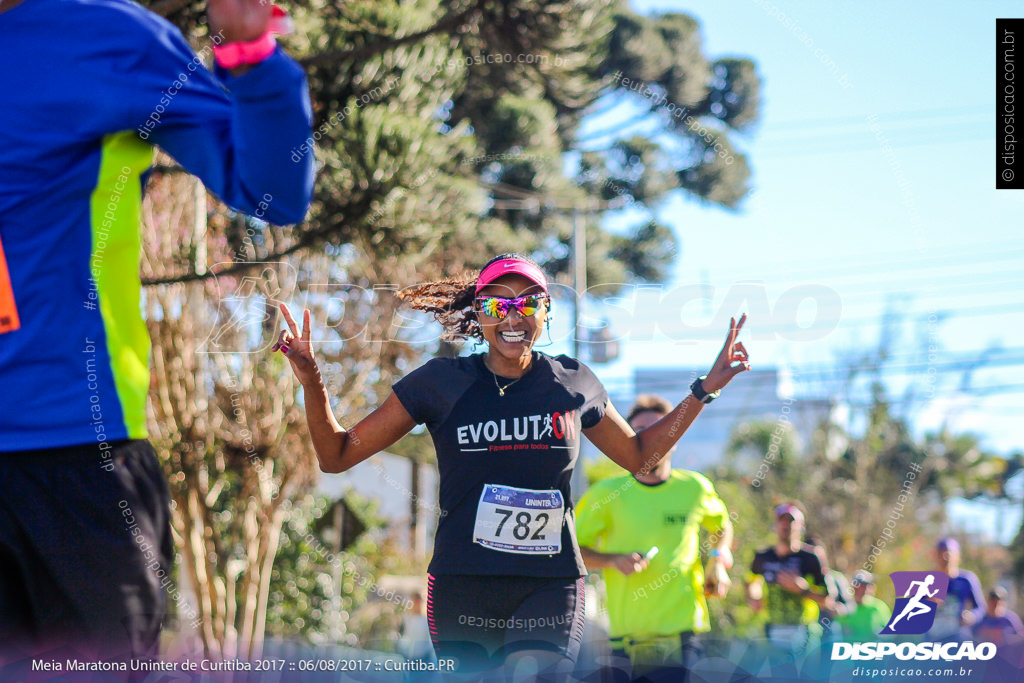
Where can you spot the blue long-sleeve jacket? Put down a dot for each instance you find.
(86, 87)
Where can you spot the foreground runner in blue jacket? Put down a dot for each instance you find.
(88, 87)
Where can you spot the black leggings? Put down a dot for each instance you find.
(481, 620)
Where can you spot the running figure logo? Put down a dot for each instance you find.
(914, 613)
(548, 428)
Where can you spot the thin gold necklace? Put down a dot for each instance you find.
(501, 389)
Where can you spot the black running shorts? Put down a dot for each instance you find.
(85, 551)
(480, 620)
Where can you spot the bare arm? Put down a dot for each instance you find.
(755, 594)
(794, 583)
(724, 545)
(717, 581)
(640, 453)
(623, 562)
(338, 449)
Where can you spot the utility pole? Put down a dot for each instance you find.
(579, 276)
(199, 226)
(417, 530)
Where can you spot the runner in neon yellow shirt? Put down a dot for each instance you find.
(656, 600)
(870, 615)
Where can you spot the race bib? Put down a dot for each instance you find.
(519, 520)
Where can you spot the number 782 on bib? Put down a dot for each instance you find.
(523, 521)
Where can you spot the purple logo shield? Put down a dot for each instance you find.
(917, 594)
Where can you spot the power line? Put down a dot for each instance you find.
(970, 125)
(767, 411)
(843, 372)
(932, 141)
(762, 407)
(954, 287)
(536, 199)
(884, 295)
(913, 114)
(962, 257)
(916, 116)
(704, 332)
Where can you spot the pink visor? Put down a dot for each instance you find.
(511, 266)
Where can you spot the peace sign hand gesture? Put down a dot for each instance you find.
(723, 370)
(298, 349)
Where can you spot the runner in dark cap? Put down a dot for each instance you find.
(787, 580)
(1000, 625)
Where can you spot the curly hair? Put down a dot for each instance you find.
(451, 301)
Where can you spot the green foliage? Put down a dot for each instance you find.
(435, 152)
(637, 48)
(302, 589)
(687, 78)
(718, 173)
(762, 447)
(851, 499)
(1013, 473)
(960, 468)
(732, 617)
(306, 599)
(735, 92)
(632, 251)
(427, 112)
(659, 63)
(600, 469)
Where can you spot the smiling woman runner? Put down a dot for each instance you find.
(505, 579)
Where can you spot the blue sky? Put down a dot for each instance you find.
(903, 216)
(874, 185)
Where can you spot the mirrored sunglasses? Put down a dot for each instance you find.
(499, 306)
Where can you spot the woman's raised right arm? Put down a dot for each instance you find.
(338, 449)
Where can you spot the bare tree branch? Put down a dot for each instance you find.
(166, 7)
(310, 238)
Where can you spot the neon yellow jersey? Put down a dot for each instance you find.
(621, 515)
(866, 621)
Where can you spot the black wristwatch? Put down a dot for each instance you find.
(697, 389)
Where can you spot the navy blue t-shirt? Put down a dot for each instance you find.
(520, 447)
